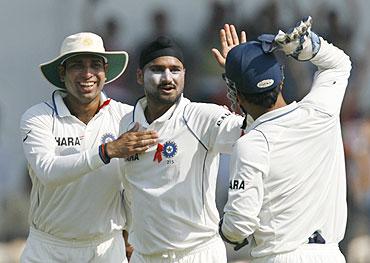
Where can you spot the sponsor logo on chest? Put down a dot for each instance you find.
(133, 158)
(237, 184)
(68, 141)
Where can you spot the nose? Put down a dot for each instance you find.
(87, 72)
(167, 75)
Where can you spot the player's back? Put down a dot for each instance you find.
(304, 189)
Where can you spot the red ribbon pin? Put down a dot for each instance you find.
(158, 153)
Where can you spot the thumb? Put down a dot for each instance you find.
(135, 127)
(218, 56)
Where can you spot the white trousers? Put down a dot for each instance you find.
(210, 252)
(41, 247)
(307, 253)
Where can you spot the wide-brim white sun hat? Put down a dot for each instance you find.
(85, 43)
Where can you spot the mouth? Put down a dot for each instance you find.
(87, 86)
(167, 88)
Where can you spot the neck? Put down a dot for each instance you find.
(280, 102)
(153, 112)
(257, 111)
(82, 111)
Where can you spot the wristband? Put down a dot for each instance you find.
(103, 153)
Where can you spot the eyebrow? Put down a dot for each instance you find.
(165, 66)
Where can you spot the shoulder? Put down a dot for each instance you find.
(119, 109)
(127, 121)
(255, 140)
(207, 110)
(41, 110)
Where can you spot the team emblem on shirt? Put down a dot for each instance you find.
(169, 149)
(108, 137)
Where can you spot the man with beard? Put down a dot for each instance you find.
(171, 187)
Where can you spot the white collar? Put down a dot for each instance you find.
(141, 104)
(274, 114)
(61, 108)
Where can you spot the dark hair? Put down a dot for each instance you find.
(265, 99)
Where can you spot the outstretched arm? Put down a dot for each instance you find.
(228, 39)
(40, 145)
(131, 142)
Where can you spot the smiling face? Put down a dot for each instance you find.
(163, 80)
(84, 78)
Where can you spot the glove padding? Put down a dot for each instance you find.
(300, 42)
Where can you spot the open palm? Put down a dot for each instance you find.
(228, 39)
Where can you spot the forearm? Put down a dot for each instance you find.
(55, 170)
(52, 166)
(331, 57)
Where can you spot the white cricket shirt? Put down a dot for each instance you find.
(74, 195)
(173, 200)
(287, 175)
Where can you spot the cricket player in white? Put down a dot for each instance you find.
(171, 188)
(76, 212)
(287, 193)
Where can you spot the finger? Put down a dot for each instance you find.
(142, 146)
(234, 35)
(243, 37)
(308, 21)
(281, 37)
(293, 35)
(144, 135)
(218, 56)
(302, 28)
(136, 150)
(146, 143)
(229, 38)
(223, 41)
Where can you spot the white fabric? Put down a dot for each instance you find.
(173, 201)
(307, 253)
(42, 247)
(212, 251)
(287, 174)
(74, 195)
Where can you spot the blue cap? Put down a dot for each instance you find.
(252, 70)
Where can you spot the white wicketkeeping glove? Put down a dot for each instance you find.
(300, 42)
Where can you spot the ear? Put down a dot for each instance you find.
(106, 66)
(140, 76)
(239, 98)
(62, 72)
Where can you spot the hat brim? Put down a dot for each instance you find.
(117, 63)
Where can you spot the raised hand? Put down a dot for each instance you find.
(300, 42)
(228, 39)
